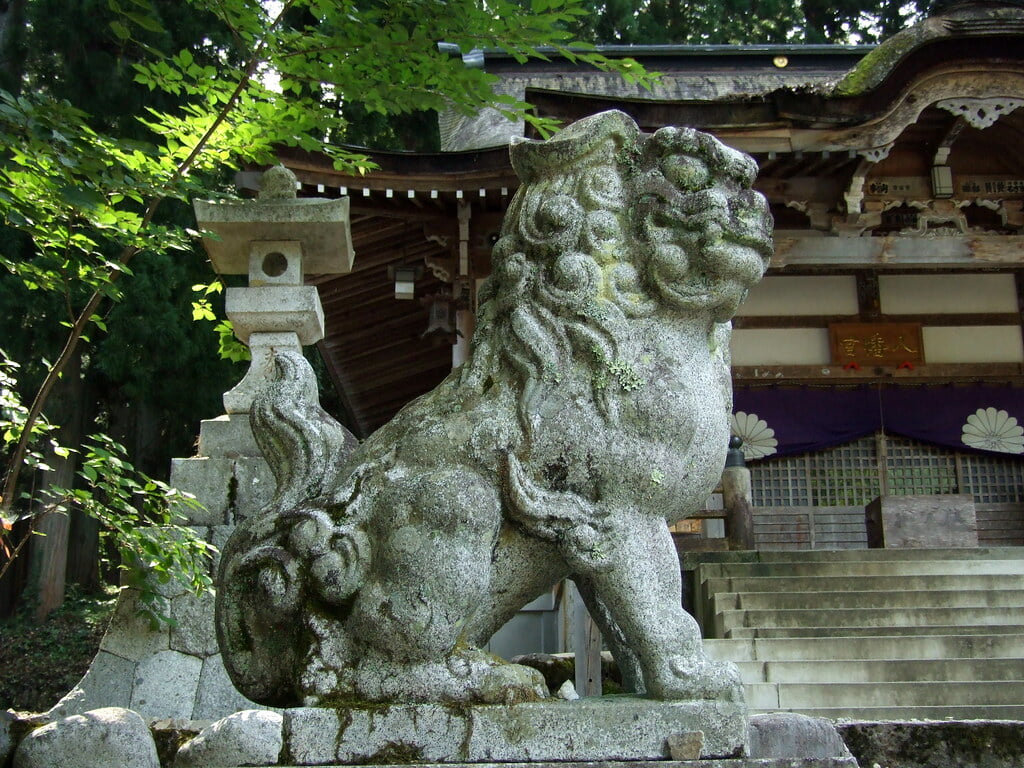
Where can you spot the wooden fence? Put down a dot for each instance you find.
(999, 525)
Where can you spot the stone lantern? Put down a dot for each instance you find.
(275, 239)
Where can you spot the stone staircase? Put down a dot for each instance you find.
(870, 634)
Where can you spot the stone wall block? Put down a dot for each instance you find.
(107, 683)
(217, 696)
(130, 635)
(166, 685)
(209, 480)
(194, 631)
(252, 737)
(227, 436)
(254, 487)
(7, 721)
(924, 521)
(591, 729)
(791, 735)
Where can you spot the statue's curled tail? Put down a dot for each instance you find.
(294, 550)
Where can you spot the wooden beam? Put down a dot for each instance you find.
(822, 321)
(901, 252)
(869, 300)
(747, 375)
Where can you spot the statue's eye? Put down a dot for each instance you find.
(687, 173)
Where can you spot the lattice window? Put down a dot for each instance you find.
(919, 468)
(845, 475)
(780, 482)
(840, 476)
(992, 479)
(850, 474)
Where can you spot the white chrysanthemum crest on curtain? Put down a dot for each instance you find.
(758, 438)
(991, 429)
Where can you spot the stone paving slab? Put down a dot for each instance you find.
(604, 729)
(742, 762)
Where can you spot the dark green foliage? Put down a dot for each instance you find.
(154, 372)
(752, 21)
(42, 662)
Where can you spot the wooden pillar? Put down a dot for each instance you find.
(586, 644)
(464, 318)
(739, 513)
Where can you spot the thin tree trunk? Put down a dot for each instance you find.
(49, 560)
(12, 44)
(49, 554)
(83, 568)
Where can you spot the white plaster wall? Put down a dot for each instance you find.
(973, 344)
(783, 296)
(959, 293)
(780, 346)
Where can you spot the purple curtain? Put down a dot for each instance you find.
(781, 421)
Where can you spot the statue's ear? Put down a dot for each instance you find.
(536, 159)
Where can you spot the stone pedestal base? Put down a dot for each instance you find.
(922, 521)
(598, 729)
(740, 762)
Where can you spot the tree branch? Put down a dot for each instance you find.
(129, 252)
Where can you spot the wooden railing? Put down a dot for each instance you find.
(999, 525)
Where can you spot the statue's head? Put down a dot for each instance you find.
(647, 222)
(609, 226)
(707, 234)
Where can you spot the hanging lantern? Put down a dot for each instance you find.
(405, 277)
(441, 320)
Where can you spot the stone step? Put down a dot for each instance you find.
(882, 670)
(949, 646)
(1007, 712)
(882, 599)
(799, 697)
(964, 582)
(840, 555)
(805, 618)
(740, 762)
(825, 632)
(891, 568)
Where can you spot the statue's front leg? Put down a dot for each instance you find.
(640, 585)
(412, 622)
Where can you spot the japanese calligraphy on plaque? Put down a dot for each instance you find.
(876, 343)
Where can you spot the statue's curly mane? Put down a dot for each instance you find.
(575, 260)
(548, 298)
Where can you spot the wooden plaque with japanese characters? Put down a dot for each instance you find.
(876, 343)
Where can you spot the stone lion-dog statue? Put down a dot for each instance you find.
(591, 413)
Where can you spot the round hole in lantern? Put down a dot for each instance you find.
(275, 264)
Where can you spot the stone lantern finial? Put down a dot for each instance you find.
(277, 183)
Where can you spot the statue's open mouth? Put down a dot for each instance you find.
(727, 268)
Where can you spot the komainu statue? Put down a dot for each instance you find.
(592, 412)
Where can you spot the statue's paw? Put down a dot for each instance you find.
(700, 678)
(512, 684)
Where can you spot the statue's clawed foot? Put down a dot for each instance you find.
(698, 678)
(512, 684)
(468, 675)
